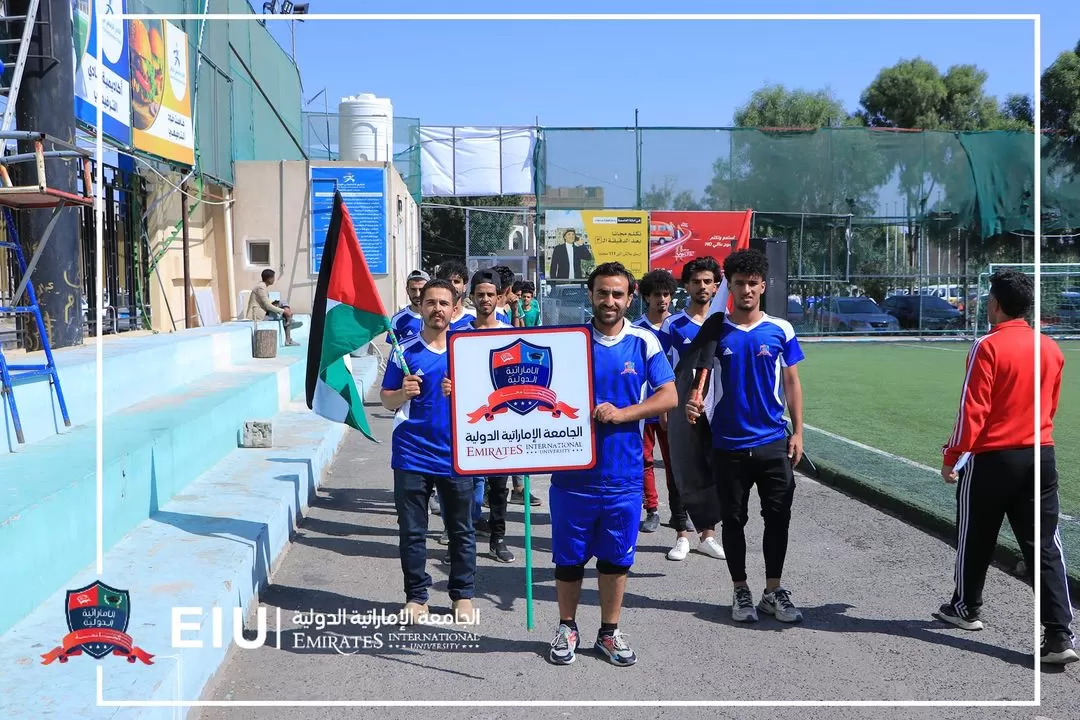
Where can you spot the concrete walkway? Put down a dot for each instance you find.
(866, 582)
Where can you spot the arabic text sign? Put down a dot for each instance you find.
(363, 190)
(114, 68)
(161, 91)
(522, 401)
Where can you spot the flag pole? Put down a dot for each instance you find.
(396, 350)
(529, 621)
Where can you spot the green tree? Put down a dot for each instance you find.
(666, 197)
(443, 228)
(774, 106)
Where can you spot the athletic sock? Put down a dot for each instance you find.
(571, 623)
(608, 628)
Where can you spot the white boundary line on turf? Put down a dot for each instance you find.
(510, 17)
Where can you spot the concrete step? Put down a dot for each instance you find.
(135, 369)
(211, 546)
(152, 449)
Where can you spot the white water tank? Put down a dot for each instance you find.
(366, 128)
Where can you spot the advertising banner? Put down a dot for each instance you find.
(363, 189)
(161, 91)
(114, 69)
(511, 412)
(677, 237)
(576, 241)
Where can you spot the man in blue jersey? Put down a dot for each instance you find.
(486, 289)
(701, 278)
(407, 321)
(596, 513)
(755, 352)
(656, 289)
(421, 459)
(455, 272)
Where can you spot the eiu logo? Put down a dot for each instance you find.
(628, 368)
(97, 616)
(521, 377)
(764, 351)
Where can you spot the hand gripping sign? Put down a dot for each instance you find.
(522, 400)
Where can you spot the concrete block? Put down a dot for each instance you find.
(258, 434)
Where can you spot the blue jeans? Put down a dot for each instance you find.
(456, 495)
(478, 497)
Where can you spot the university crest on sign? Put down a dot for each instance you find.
(521, 377)
(97, 618)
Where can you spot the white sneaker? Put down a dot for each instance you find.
(680, 551)
(710, 547)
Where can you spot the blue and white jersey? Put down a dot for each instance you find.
(626, 369)
(421, 439)
(680, 330)
(406, 323)
(465, 321)
(643, 322)
(503, 316)
(745, 396)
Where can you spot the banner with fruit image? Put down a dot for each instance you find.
(161, 91)
(115, 97)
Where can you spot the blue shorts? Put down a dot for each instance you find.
(587, 524)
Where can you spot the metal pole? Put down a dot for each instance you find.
(326, 116)
(187, 257)
(637, 159)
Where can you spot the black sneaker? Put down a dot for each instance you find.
(948, 613)
(483, 528)
(534, 501)
(517, 497)
(1058, 650)
(652, 521)
(500, 552)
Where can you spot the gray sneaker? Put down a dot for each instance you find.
(742, 606)
(778, 604)
(564, 646)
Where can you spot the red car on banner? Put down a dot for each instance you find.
(677, 237)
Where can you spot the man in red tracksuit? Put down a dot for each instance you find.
(992, 453)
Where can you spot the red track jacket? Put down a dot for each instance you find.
(997, 403)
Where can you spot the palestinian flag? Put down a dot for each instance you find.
(347, 315)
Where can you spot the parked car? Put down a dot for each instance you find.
(567, 305)
(927, 312)
(855, 314)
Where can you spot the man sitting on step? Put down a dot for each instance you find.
(261, 308)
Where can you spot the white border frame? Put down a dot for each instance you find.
(1035, 18)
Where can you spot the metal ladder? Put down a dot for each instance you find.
(12, 375)
(12, 91)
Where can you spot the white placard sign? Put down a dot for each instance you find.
(522, 401)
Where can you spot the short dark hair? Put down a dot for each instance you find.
(440, 284)
(657, 281)
(612, 269)
(1014, 292)
(505, 274)
(527, 287)
(518, 287)
(746, 262)
(267, 274)
(490, 277)
(699, 265)
(451, 269)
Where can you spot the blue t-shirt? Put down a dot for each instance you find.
(626, 368)
(465, 321)
(421, 439)
(406, 323)
(747, 408)
(643, 322)
(680, 330)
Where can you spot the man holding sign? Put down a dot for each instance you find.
(416, 386)
(596, 513)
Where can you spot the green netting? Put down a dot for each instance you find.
(233, 119)
(1059, 296)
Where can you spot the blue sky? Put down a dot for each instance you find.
(675, 73)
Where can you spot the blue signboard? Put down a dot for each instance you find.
(115, 69)
(364, 193)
